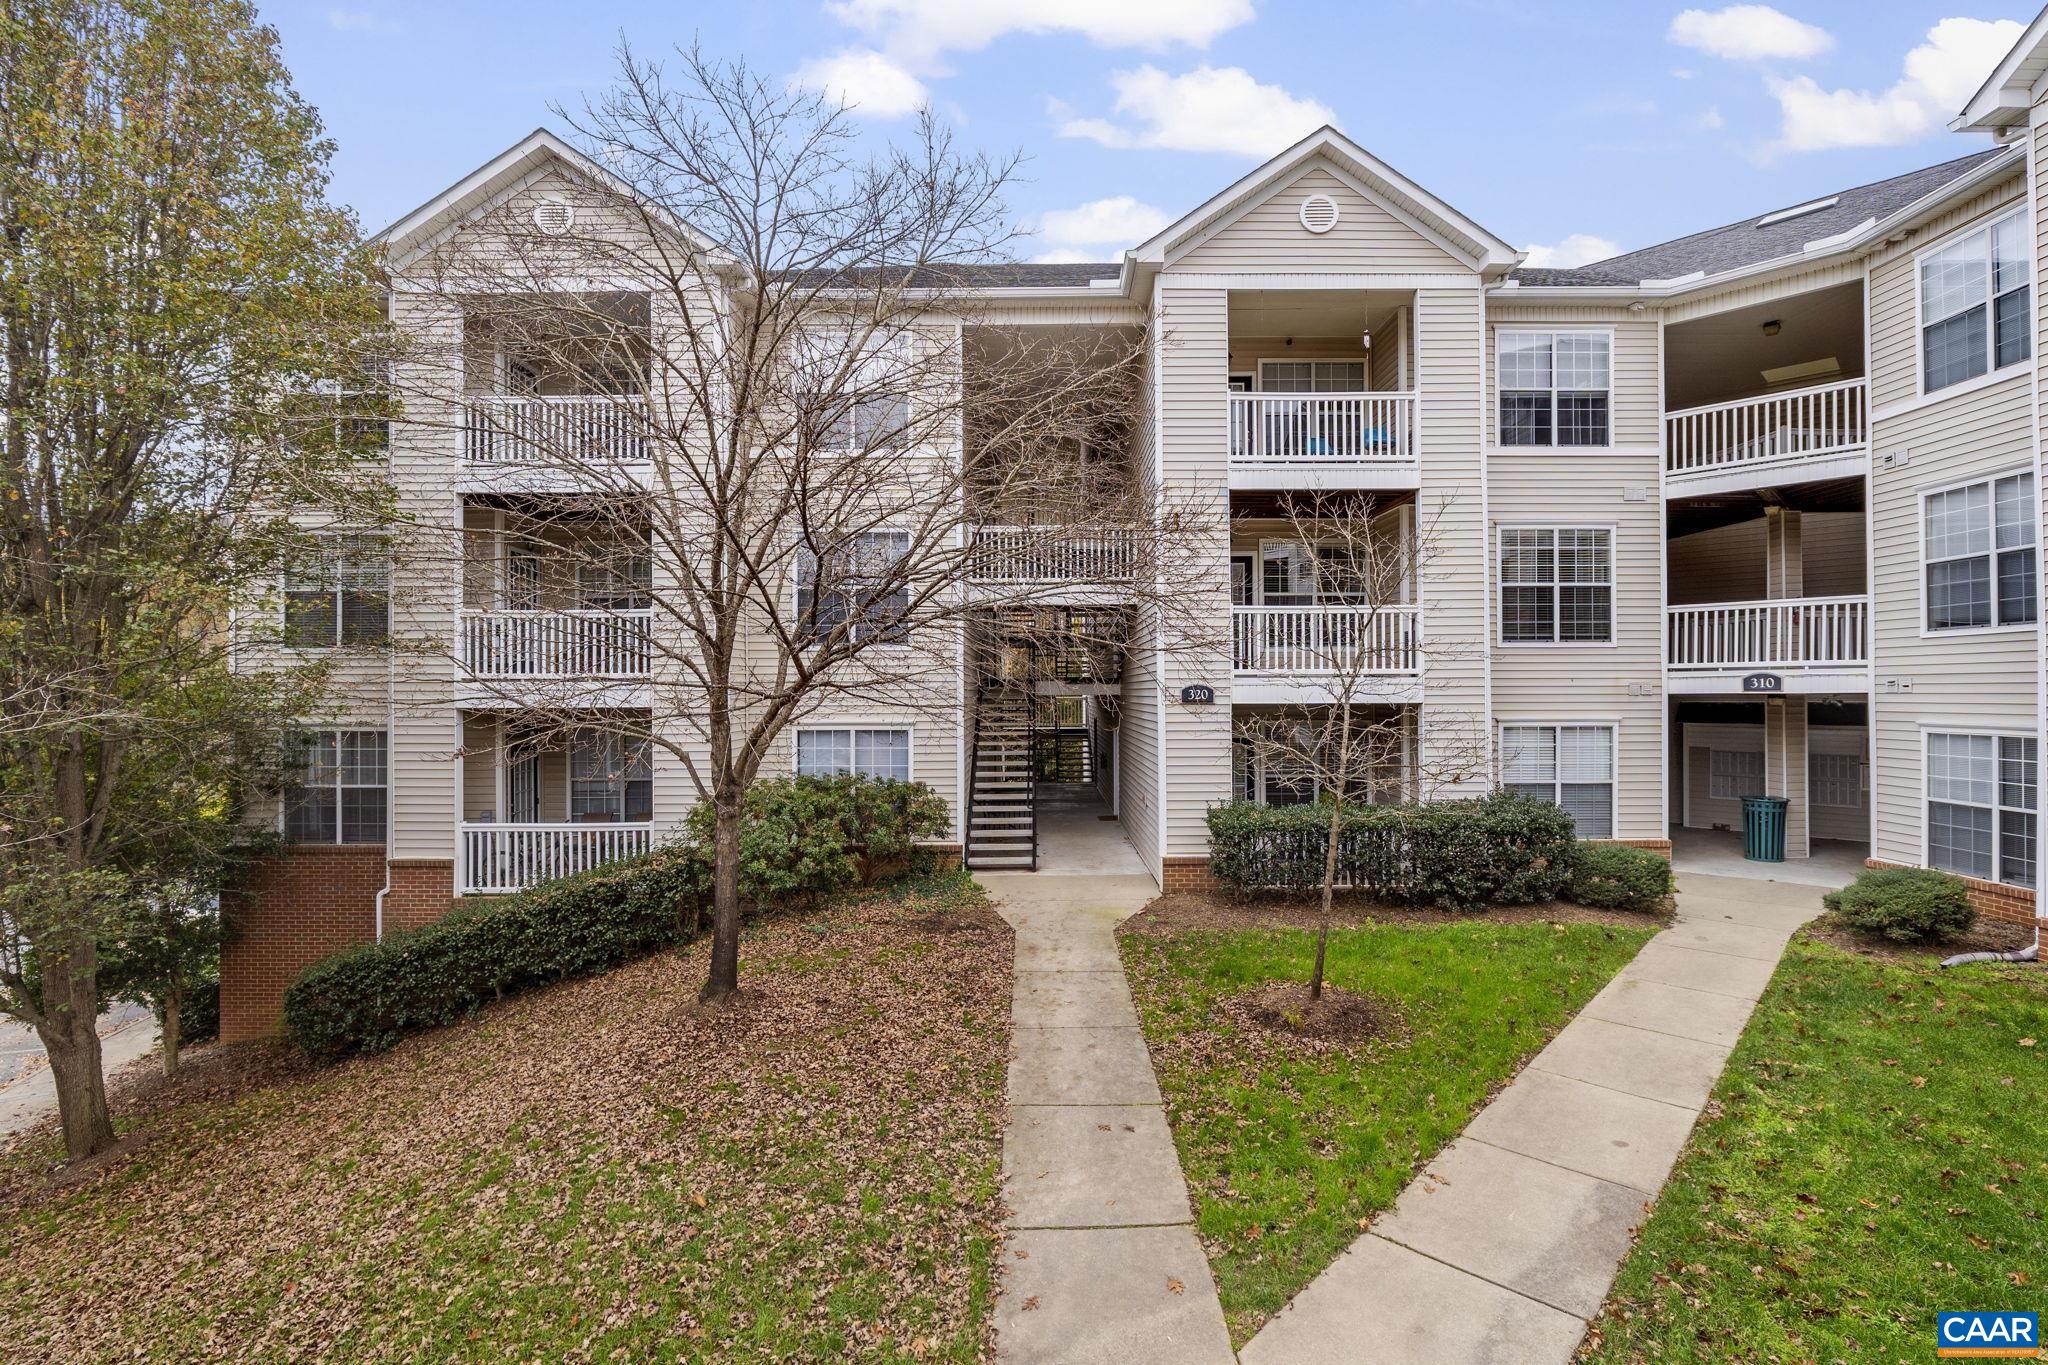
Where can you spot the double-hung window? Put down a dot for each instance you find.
(336, 787)
(339, 595)
(1978, 548)
(615, 578)
(874, 421)
(1982, 797)
(1974, 304)
(860, 585)
(1555, 388)
(881, 754)
(1312, 376)
(611, 778)
(1556, 585)
(1572, 765)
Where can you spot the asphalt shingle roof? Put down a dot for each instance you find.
(1719, 250)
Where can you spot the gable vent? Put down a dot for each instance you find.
(1319, 213)
(554, 217)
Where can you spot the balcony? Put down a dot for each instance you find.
(1322, 440)
(502, 858)
(1799, 436)
(563, 434)
(1809, 644)
(1295, 654)
(1050, 566)
(556, 644)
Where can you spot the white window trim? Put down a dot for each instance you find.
(284, 590)
(1920, 556)
(1363, 360)
(796, 588)
(813, 727)
(1613, 727)
(1258, 765)
(1928, 729)
(1948, 239)
(1500, 585)
(1493, 425)
(337, 729)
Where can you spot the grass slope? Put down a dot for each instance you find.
(1873, 1155)
(591, 1170)
(1289, 1154)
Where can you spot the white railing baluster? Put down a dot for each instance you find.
(556, 644)
(502, 858)
(1801, 423)
(500, 429)
(1321, 428)
(1796, 632)
(1322, 639)
(1014, 554)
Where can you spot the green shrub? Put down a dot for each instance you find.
(198, 1013)
(1617, 877)
(364, 999)
(1503, 849)
(1904, 904)
(802, 838)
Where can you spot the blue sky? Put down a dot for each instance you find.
(1574, 127)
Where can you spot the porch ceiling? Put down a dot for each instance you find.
(1255, 505)
(1687, 515)
(1345, 313)
(1723, 356)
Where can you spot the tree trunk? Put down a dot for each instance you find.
(724, 978)
(70, 1034)
(1315, 981)
(174, 1002)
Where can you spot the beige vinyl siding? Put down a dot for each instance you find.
(1193, 384)
(1456, 729)
(1393, 355)
(1269, 238)
(1960, 680)
(1544, 487)
(1894, 285)
(1634, 405)
(1726, 564)
(1138, 717)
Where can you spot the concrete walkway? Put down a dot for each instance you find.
(27, 1090)
(1504, 1247)
(1101, 1264)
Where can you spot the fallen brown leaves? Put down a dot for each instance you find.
(598, 1170)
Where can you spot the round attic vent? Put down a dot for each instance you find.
(1319, 213)
(554, 217)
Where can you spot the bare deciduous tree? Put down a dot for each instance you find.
(802, 460)
(1357, 748)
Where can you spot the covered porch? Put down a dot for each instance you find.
(541, 800)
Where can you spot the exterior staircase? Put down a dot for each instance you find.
(1002, 824)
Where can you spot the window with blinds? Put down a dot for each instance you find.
(1572, 765)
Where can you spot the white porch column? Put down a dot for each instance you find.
(1785, 769)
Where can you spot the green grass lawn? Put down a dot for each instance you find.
(1877, 1152)
(594, 1171)
(1288, 1154)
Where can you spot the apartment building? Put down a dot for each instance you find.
(1755, 510)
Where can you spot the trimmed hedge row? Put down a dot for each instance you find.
(1904, 904)
(1618, 877)
(1502, 849)
(801, 839)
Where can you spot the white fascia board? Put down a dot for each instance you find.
(2007, 93)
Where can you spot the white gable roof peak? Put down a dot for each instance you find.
(1486, 252)
(539, 150)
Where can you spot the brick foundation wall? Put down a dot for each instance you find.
(422, 890)
(1186, 874)
(1993, 900)
(1662, 846)
(298, 907)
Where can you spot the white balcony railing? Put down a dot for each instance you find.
(1310, 429)
(556, 644)
(557, 432)
(1799, 423)
(1790, 633)
(1013, 554)
(498, 858)
(1326, 640)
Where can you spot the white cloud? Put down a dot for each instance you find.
(1940, 75)
(1098, 229)
(1209, 109)
(866, 80)
(362, 21)
(1581, 248)
(926, 28)
(1748, 33)
(1709, 118)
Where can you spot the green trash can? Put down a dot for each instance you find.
(1763, 828)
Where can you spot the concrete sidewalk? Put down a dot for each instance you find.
(1505, 1246)
(1101, 1264)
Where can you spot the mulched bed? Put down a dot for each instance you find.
(1985, 936)
(1340, 1021)
(1182, 911)
(594, 1171)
